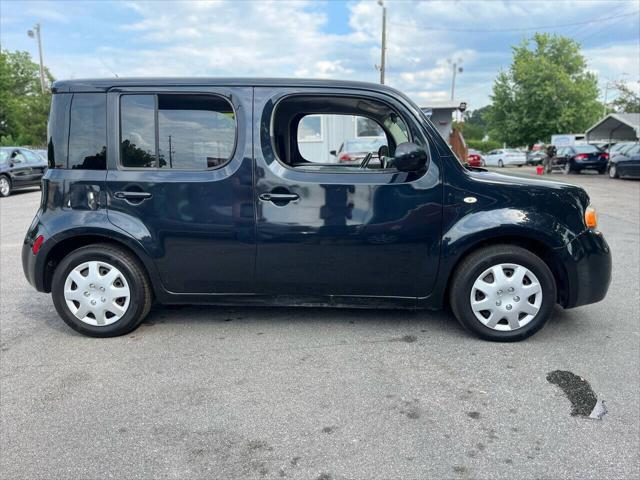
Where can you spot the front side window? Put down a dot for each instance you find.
(350, 135)
(88, 132)
(190, 132)
(31, 157)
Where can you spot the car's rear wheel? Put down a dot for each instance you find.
(5, 186)
(500, 163)
(613, 171)
(101, 290)
(503, 293)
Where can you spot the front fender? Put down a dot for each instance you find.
(478, 227)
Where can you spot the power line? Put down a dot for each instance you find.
(523, 29)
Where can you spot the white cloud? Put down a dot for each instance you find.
(289, 38)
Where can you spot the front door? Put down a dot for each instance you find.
(330, 225)
(181, 183)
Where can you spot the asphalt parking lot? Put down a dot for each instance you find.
(209, 392)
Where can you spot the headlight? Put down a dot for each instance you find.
(590, 217)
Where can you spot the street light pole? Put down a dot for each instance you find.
(36, 33)
(384, 40)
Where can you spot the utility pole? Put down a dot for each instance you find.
(36, 33)
(384, 40)
(456, 69)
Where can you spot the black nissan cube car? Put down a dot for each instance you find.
(224, 191)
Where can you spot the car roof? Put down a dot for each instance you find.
(105, 84)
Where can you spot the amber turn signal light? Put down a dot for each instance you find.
(590, 217)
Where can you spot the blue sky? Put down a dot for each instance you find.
(326, 39)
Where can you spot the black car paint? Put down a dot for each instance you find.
(627, 162)
(235, 248)
(22, 173)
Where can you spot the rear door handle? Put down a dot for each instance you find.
(132, 196)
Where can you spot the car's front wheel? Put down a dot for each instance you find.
(566, 168)
(613, 171)
(500, 163)
(503, 293)
(5, 186)
(101, 290)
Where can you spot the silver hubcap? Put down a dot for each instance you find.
(612, 171)
(4, 186)
(506, 297)
(97, 293)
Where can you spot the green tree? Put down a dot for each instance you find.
(546, 90)
(627, 100)
(24, 109)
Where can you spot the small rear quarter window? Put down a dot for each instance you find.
(88, 132)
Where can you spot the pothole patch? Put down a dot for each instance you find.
(584, 401)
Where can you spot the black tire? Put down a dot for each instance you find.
(613, 171)
(566, 168)
(135, 275)
(6, 192)
(479, 261)
(500, 163)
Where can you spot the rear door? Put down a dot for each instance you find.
(330, 229)
(181, 183)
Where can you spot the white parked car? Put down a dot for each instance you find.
(505, 156)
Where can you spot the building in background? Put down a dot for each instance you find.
(441, 115)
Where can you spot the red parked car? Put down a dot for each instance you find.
(474, 158)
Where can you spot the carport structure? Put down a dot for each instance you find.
(615, 127)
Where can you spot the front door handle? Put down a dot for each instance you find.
(279, 198)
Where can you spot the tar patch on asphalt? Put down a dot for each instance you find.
(584, 401)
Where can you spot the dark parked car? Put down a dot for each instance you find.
(626, 163)
(578, 158)
(19, 168)
(196, 191)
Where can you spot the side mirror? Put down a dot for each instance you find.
(332, 152)
(409, 157)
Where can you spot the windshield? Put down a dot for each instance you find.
(4, 154)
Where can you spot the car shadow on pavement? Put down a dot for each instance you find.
(423, 320)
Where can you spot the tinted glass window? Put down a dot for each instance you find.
(586, 149)
(633, 150)
(31, 157)
(365, 127)
(310, 129)
(195, 132)
(137, 131)
(88, 131)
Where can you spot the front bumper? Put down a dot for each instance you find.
(587, 264)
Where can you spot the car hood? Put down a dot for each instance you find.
(531, 183)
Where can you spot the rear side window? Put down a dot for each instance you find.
(88, 132)
(189, 132)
